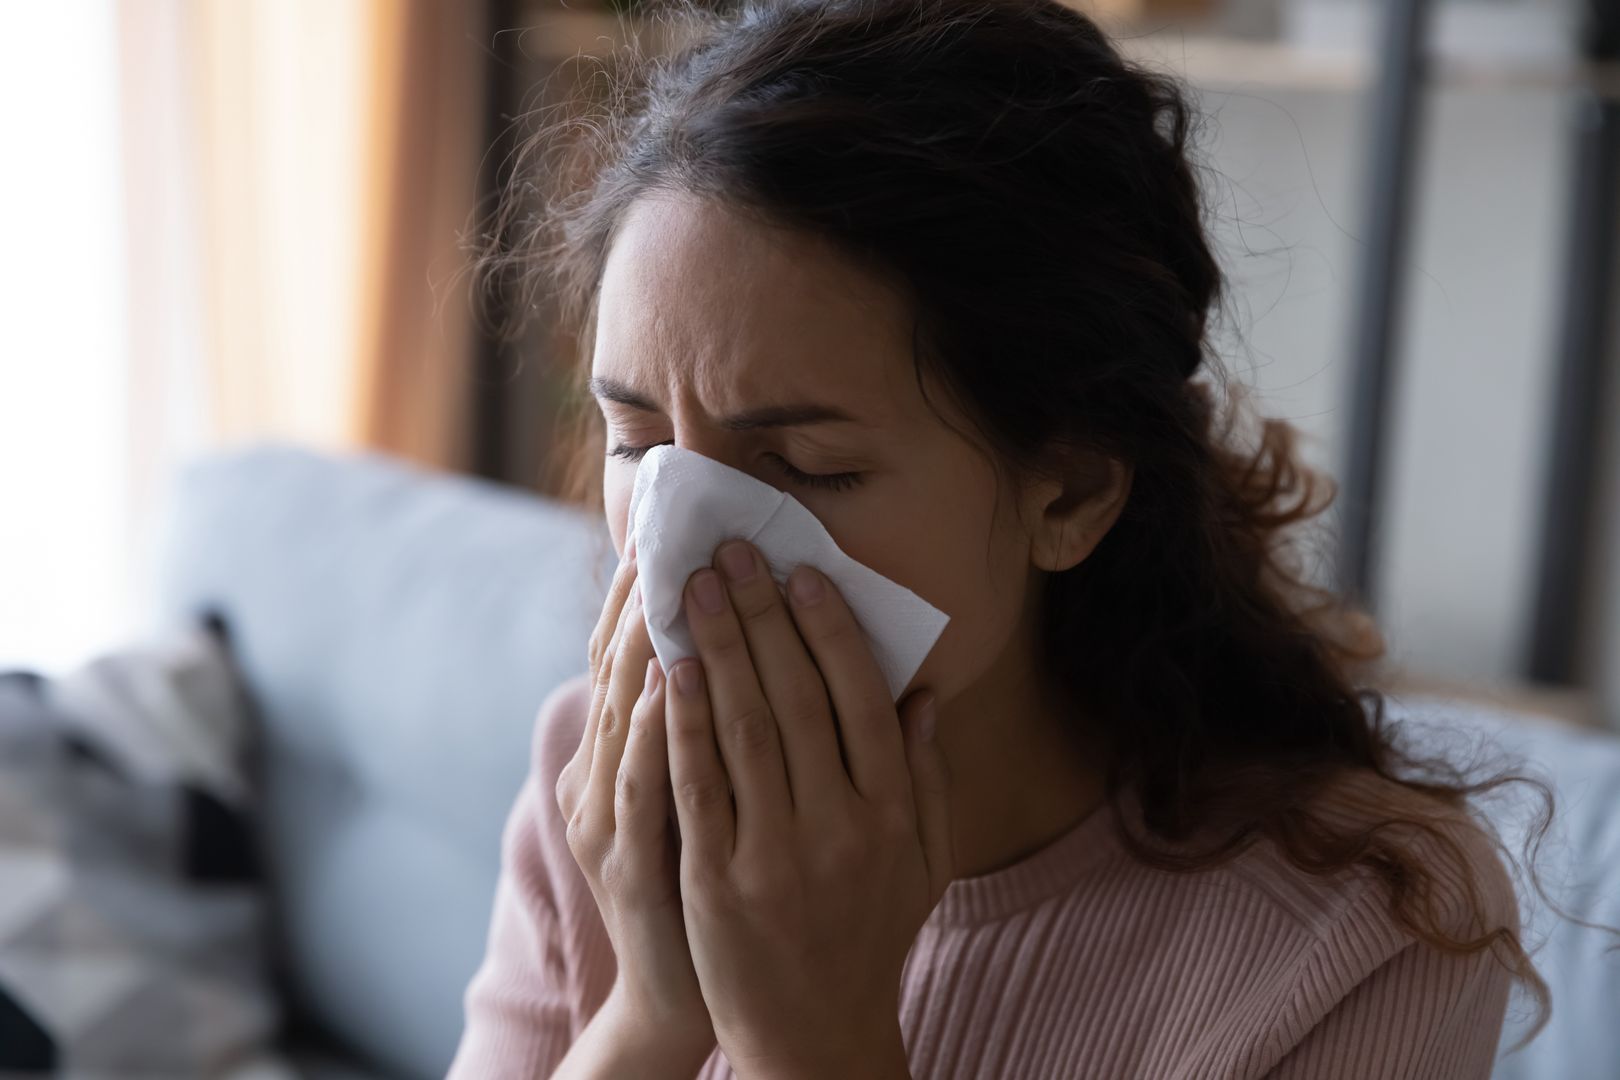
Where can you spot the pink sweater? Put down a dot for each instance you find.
(1076, 961)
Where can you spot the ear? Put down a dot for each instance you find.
(1068, 514)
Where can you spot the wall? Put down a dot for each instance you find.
(1474, 383)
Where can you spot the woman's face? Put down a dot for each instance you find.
(705, 318)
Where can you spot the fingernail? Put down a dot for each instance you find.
(925, 723)
(805, 584)
(707, 588)
(630, 548)
(737, 561)
(652, 674)
(689, 677)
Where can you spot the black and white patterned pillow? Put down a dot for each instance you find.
(132, 924)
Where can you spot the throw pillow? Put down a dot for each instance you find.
(132, 926)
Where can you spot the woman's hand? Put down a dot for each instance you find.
(803, 897)
(615, 796)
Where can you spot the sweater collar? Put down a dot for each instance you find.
(1046, 872)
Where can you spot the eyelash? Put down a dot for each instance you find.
(833, 481)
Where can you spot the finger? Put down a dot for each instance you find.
(874, 747)
(930, 789)
(599, 654)
(641, 801)
(612, 605)
(610, 623)
(701, 787)
(627, 677)
(789, 678)
(745, 729)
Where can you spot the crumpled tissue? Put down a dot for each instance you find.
(685, 504)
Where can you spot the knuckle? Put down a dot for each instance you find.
(703, 796)
(628, 791)
(604, 673)
(752, 731)
(708, 885)
(639, 715)
(580, 836)
(728, 647)
(685, 726)
(754, 606)
(607, 726)
(806, 699)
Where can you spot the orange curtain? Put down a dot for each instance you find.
(299, 172)
(416, 349)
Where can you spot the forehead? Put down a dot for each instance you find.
(748, 313)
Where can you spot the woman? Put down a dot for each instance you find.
(938, 269)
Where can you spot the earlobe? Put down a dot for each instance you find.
(1072, 546)
(1059, 544)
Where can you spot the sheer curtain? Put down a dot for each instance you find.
(64, 383)
(337, 151)
(234, 222)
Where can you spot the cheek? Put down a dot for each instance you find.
(616, 491)
(982, 621)
(984, 593)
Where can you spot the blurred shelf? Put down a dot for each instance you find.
(1206, 60)
(1220, 62)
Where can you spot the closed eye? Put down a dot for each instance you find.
(834, 481)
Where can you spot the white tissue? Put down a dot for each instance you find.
(685, 504)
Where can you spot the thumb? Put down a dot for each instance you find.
(930, 787)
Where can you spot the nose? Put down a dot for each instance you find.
(720, 446)
(725, 448)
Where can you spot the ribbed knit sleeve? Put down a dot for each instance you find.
(1382, 1004)
(1421, 1014)
(542, 977)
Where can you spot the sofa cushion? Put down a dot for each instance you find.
(1579, 864)
(398, 629)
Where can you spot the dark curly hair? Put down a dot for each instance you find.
(1036, 197)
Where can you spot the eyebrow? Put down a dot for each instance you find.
(767, 416)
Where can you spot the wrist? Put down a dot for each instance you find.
(882, 1057)
(669, 1041)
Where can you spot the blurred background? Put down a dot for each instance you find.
(229, 221)
(244, 377)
